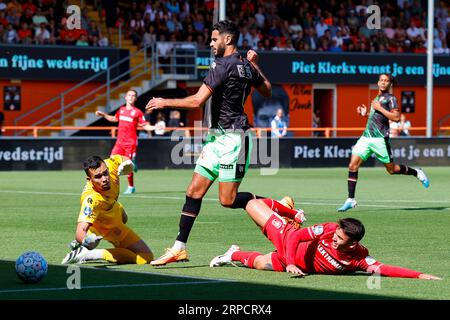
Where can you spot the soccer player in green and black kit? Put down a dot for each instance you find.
(375, 139)
(226, 152)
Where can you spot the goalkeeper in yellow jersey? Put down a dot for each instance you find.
(103, 217)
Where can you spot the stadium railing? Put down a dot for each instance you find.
(258, 131)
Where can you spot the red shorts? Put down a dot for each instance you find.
(276, 230)
(127, 151)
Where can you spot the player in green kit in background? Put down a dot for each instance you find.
(375, 139)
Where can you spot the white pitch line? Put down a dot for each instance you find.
(118, 286)
(320, 203)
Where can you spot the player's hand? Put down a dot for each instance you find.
(100, 113)
(362, 110)
(155, 103)
(125, 167)
(291, 268)
(428, 277)
(91, 241)
(300, 216)
(252, 56)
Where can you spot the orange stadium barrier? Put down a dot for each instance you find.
(327, 130)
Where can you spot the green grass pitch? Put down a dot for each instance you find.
(406, 225)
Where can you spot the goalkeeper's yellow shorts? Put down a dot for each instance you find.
(120, 237)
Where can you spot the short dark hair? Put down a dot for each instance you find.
(392, 79)
(353, 228)
(229, 27)
(93, 162)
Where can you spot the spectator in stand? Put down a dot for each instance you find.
(25, 34)
(414, 33)
(260, 17)
(10, 36)
(400, 32)
(244, 35)
(42, 36)
(420, 48)
(321, 27)
(136, 29)
(13, 18)
(82, 41)
(279, 125)
(440, 43)
(173, 6)
(245, 46)
(110, 7)
(338, 39)
(54, 32)
(294, 28)
(38, 19)
(334, 47)
(14, 4)
(407, 48)
(352, 20)
(389, 31)
(160, 125)
(149, 37)
(3, 21)
(311, 38)
(29, 5)
(404, 126)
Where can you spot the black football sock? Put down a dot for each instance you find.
(351, 183)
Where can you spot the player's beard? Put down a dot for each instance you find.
(220, 51)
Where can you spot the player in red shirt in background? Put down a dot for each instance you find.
(130, 119)
(327, 248)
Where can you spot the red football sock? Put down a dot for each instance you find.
(131, 179)
(246, 257)
(280, 209)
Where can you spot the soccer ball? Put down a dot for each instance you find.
(31, 267)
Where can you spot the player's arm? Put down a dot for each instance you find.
(393, 115)
(81, 232)
(300, 235)
(106, 116)
(147, 127)
(372, 266)
(85, 239)
(265, 89)
(191, 102)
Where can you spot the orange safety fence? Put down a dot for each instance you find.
(327, 130)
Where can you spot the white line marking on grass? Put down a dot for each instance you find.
(118, 286)
(311, 202)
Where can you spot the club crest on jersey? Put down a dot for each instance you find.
(87, 211)
(318, 230)
(213, 65)
(277, 224)
(370, 261)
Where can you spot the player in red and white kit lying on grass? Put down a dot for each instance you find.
(327, 248)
